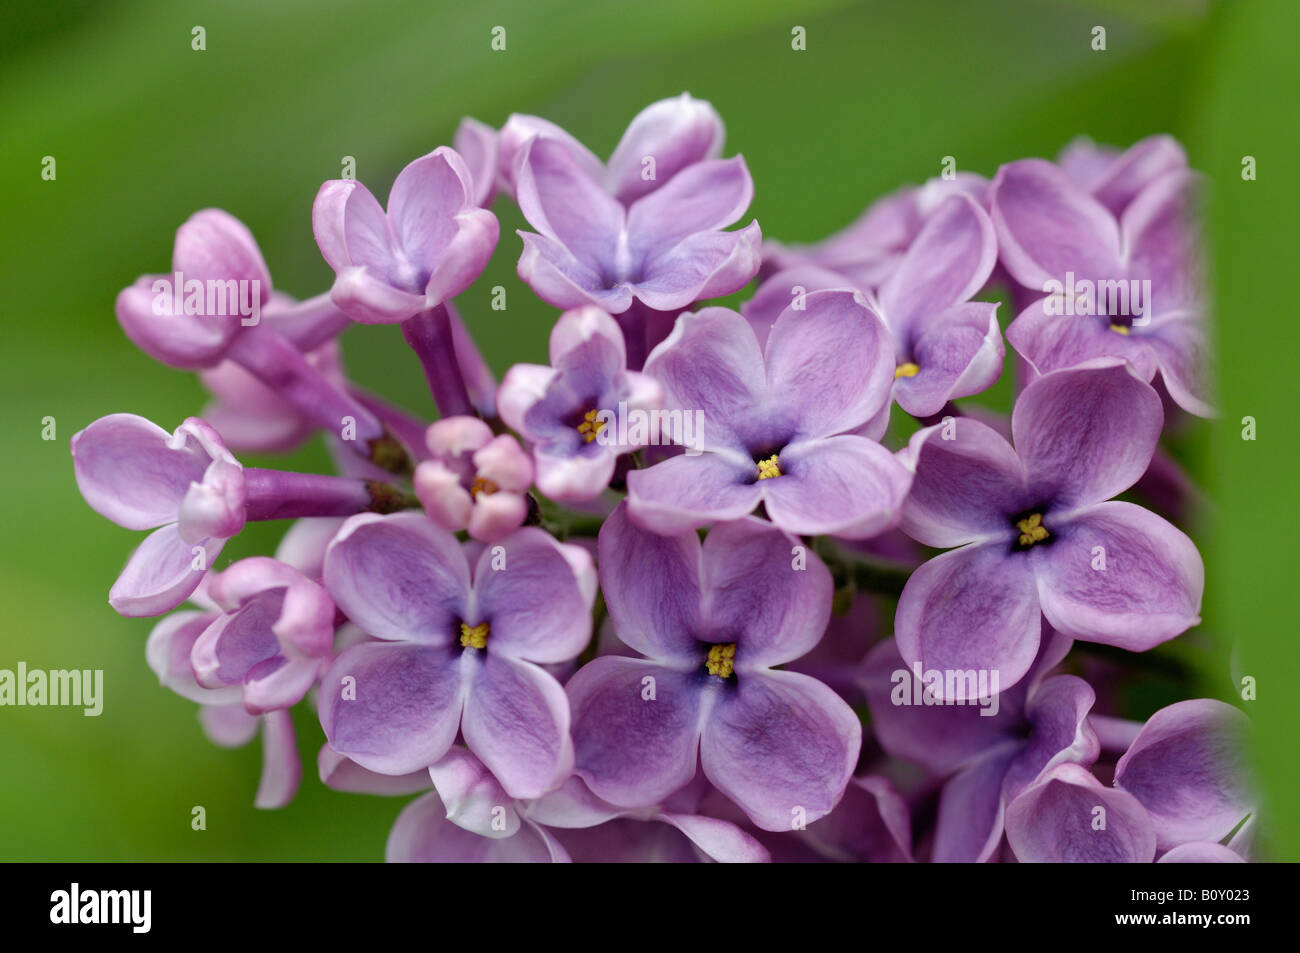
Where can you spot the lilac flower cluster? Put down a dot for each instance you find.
(635, 603)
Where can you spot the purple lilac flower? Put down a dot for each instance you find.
(666, 249)
(1179, 790)
(574, 412)
(989, 749)
(272, 638)
(869, 250)
(462, 631)
(674, 133)
(712, 621)
(1035, 536)
(1186, 767)
(570, 823)
(194, 495)
(792, 425)
(224, 719)
(208, 316)
(1089, 266)
(474, 479)
(945, 345)
(427, 248)
(1115, 178)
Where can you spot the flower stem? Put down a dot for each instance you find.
(429, 334)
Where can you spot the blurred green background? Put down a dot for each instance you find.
(146, 130)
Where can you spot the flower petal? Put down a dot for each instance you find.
(711, 362)
(398, 577)
(968, 483)
(846, 485)
(400, 709)
(162, 573)
(538, 595)
(1071, 817)
(782, 746)
(636, 728)
(1148, 591)
(564, 203)
(948, 262)
(675, 133)
(1088, 433)
(763, 590)
(971, 608)
(1046, 226)
(1187, 768)
(686, 492)
(704, 197)
(517, 723)
(131, 471)
(652, 586)
(833, 362)
(704, 265)
(959, 353)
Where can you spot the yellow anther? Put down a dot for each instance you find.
(1120, 329)
(722, 660)
(591, 426)
(1032, 529)
(906, 369)
(482, 485)
(768, 468)
(474, 636)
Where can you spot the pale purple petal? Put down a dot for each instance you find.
(636, 728)
(832, 362)
(763, 590)
(517, 723)
(968, 482)
(474, 799)
(653, 588)
(564, 203)
(1052, 341)
(1088, 433)
(959, 353)
(399, 708)
(782, 746)
(281, 766)
(685, 492)
(675, 133)
(1149, 591)
(704, 197)
(341, 773)
(846, 485)
(704, 265)
(971, 809)
(1201, 852)
(721, 840)
(162, 572)
(971, 608)
(711, 362)
(398, 577)
(1187, 767)
(133, 472)
(948, 262)
(422, 834)
(1046, 225)
(1070, 817)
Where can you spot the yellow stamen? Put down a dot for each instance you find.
(474, 636)
(590, 426)
(768, 468)
(722, 659)
(1120, 328)
(1032, 530)
(907, 369)
(482, 485)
